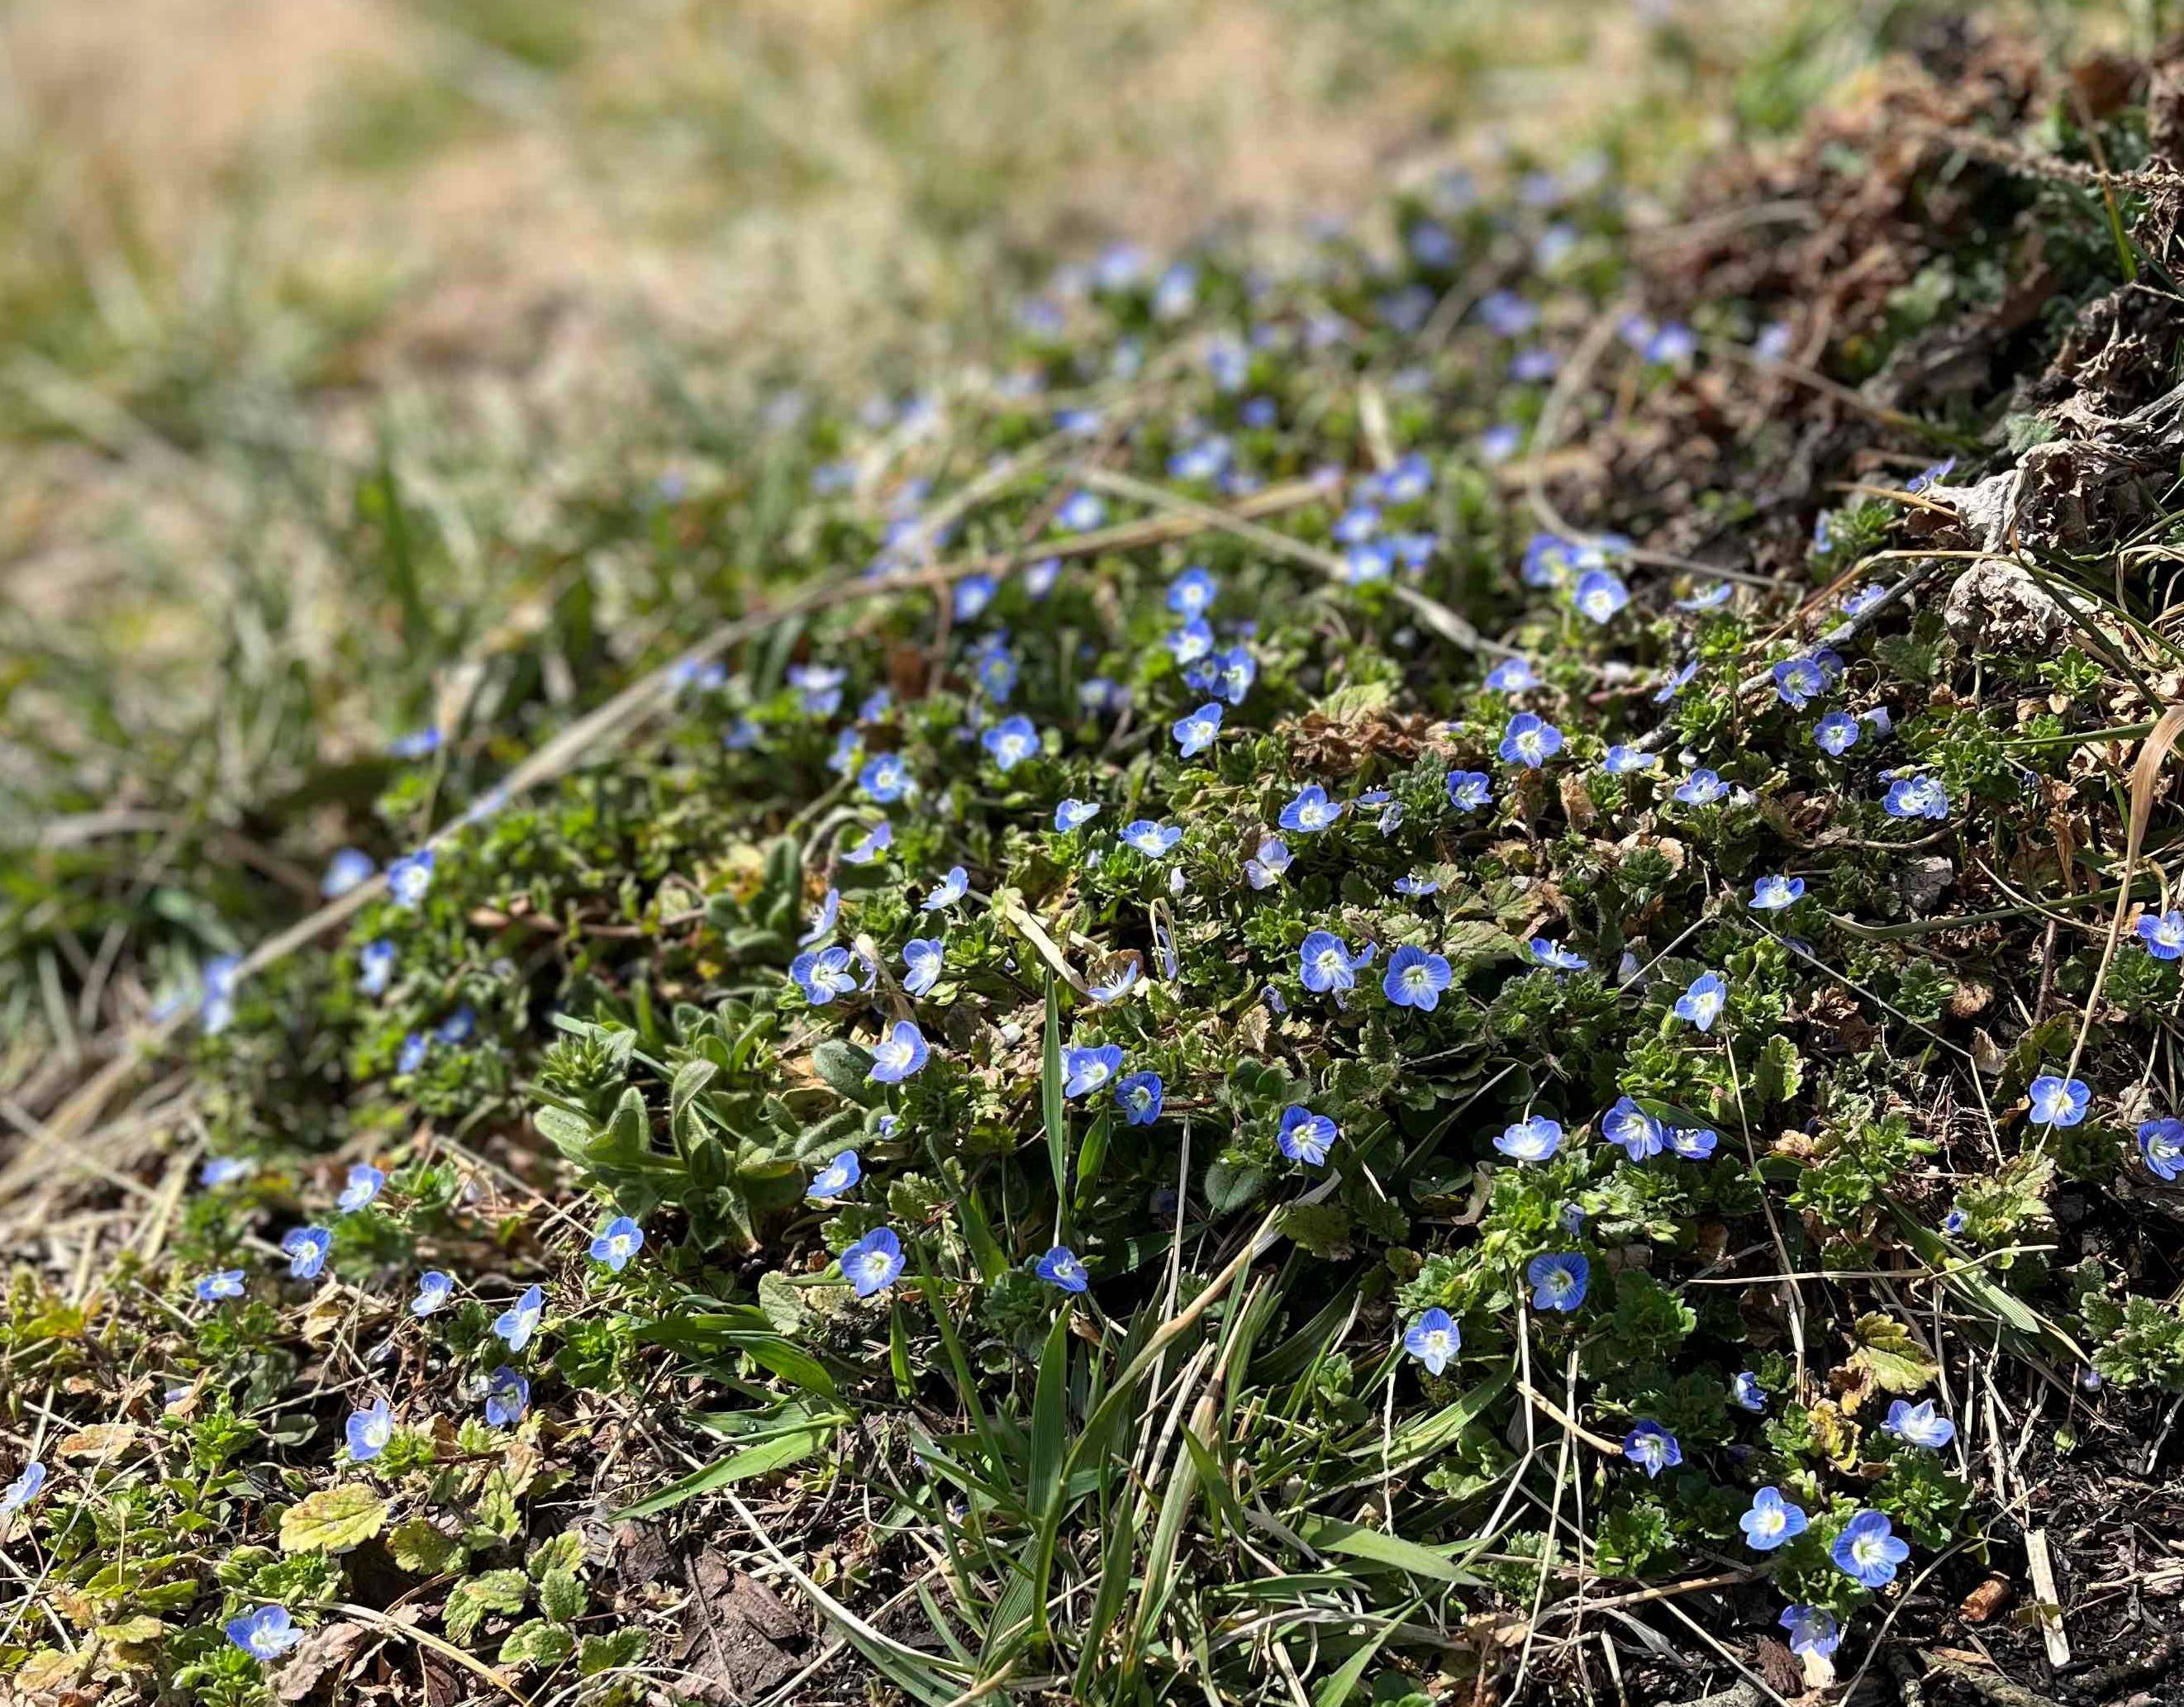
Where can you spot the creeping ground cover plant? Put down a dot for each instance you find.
(1360, 973)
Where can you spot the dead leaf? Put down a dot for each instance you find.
(1985, 1600)
(100, 1440)
(326, 1649)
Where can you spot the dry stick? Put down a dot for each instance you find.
(614, 719)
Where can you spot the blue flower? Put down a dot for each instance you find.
(1954, 1222)
(1192, 592)
(1118, 975)
(1867, 1548)
(520, 1320)
(364, 1182)
(1930, 477)
(507, 1397)
(1534, 365)
(369, 1431)
(1417, 887)
(412, 1053)
(1702, 787)
(418, 743)
(1499, 442)
(946, 892)
(1916, 797)
(1195, 733)
(1513, 676)
(1039, 578)
(1702, 1003)
(1061, 1267)
(1529, 741)
(1599, 594)
(1857, 604)
(1621, 760)
(222, 1283)
(266, 1632)
(973, 593)
(1746, 1391)
(1637, 1131)
(1653, 1449)
(1084, 1070)
(1469, 790)
(885, 778)
(349, 867)
(1549, 952)
(1325, 963)
(23, 1488)
(409, 877)
(1311, 811)
(1711, 596)
(616, 1243)
(1233, 672)
(2058, 1102)
(1139, 1098)
(848, 748)
(822, 975)
(822, 921)
(1507, 314)
(1074, 815)
(1772, 894)
(997, 675)
(1836, 734)
(2161, 1145)
(1693, 1143)
(872, 1262)
(838, 1179)
(1150, 839)
(1192, 641)
(375, 967)
(1533, 1139)
(1433, 1339)
(1918, 1424)
(1558, 1281)
(900, 1053)
(873, 843)
(1081, 513)
(1010, 743)
(457, 1027)
(922, 959)
(433, 1288)
(1675, 682)
(305, 1248)
(1356, 524)
(1415, 978)
(1798, 680)
(1771, 1521)
(1266, 871)
(222, 1171)
(1812, 1630)
(2162, 935)
(1306, 1136)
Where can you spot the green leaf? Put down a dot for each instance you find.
(422, 1549)
(1054, 1109)
(1049, 1419)
(1381, 1548)
(537, 1643)
(845, 1068)
(333, 1519)
(1779, 1074)
(564, 1552)
(598, 1654)
(1889, 1354)
(491, 1591)
(561, 1596)
(1339, 1683)
(1230, 1188)
(788, 1448)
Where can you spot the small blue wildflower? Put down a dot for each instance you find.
(1534, 365)
(1693, 1143)
(1954, 1222)
(1306, 1136)
(520, 1320)
(2161, 1147)
(822, 921)
(457, 1027)
(849, 752)
(1010, 743)
(1599, 594)
(223, 1171)
(1857, 604)
(1918, 1424)
(411, 1055)
(1153, 840)
(1530, 741)
(1533, 1139)
(1797, 681)
(305, 1248)
(507, 1397)
(997, 671)
(1932, 476)
(1391, 818)
(1513, 676)
(364, 1185)
(1366, 562)
(1507, 315)
(418, 743)
(874, 842)
(1637, 1131)
(1558, 1281)
(2060, 1101)
(1417, 887)
(885, 778)
(1550, 953)
(922, 959)
(1621, 760)
(973, 593)
(434, 1289)
(1499, 442)
(264, 1632)
(1812, 1630)
(1115, 979)
(877, 706)
(1746, 1391)
(819, 687)
(23, 1488)
(349, 867)
(1325, 963)
(873, 1262)
(1233, 673)
(1868, 1549)
(1039, 577)
(947, 891)
(897, 1055)
(1771, 1521)
(1772, 894)
(1916, 797)
(375, 967)
(1652, 1448)
(1192, 641)
(1264, 870)
(1081, 513)
(1061, 1267)
(1074, 815)
(1086, 1070)
(2163, 934)
(409, 877)
(1469, 790)
(222, 1283)
(617, 1242)
(1140, 1097)
(838, 1179)
(1356, 524)
(1434, 1339)
(1836, 734)
(1199, 730)
(1702, 787)
(1416, 978)
(369, 1431)
(822, 975)
(1711, 596)
(1702, 1003)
